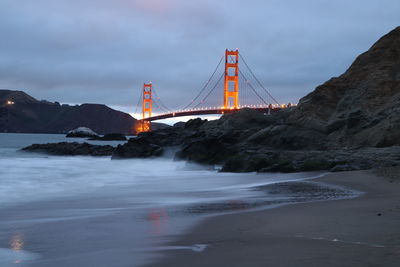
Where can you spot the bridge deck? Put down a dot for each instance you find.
(204, 112)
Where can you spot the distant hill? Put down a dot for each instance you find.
(21, 113)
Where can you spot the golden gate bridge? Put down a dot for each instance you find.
(206, 101)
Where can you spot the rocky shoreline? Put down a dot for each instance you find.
(70, 149)
(194, 142)
(351, 122)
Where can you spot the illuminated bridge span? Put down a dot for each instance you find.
(207, 101)
(207, 111)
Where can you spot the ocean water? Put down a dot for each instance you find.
(84, 211)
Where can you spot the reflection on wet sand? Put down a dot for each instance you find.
(17, 244)
(159, 221)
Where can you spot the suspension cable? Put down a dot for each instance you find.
(205, 86)
(251, 86)
(216, 84)
(159, 107)
(161, 102)
(258, 81)
(138, 103)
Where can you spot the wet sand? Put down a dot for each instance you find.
(363, 231)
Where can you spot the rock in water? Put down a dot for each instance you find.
(110, 137)
(137, 148)
(82, 132)
(71, 149)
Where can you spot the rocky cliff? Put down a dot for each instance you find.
(361, 107)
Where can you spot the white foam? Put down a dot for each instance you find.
(39, 177)
(343, 241)
(194, 248)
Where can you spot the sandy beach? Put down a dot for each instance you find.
(363, 231)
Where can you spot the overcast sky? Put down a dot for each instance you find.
(99, 51)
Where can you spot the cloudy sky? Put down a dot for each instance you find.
(101, 51)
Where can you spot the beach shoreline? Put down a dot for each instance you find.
(362, 231)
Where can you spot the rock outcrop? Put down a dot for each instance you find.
(110, 137)
(312, 160)
(137, 148)
(361, 107)
(82, 132)
(71, 149)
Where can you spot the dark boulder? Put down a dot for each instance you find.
(137, 148)
(193, 123)
(206, 150)
(71, 149)
(179, 124)
(110, 137)
(288, 137)
(243, 162)
(245, 119)
(312, 160)
(170, 136)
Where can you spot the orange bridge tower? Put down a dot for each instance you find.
(231, 82)
(147, 107)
